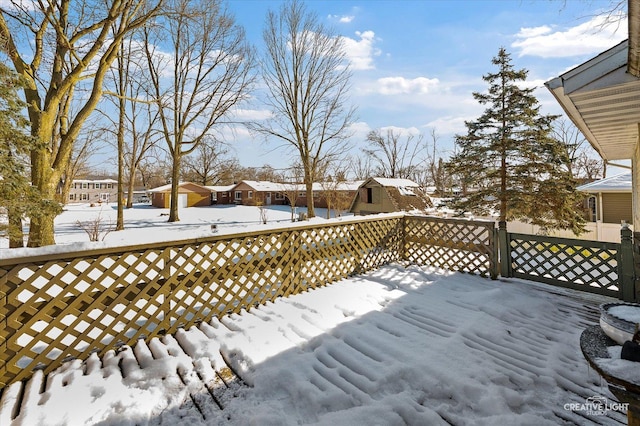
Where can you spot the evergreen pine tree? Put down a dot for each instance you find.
(18, 198)
(508, 161)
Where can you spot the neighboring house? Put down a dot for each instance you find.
(254, 192)
(610, 199)
(189, 195)
(93, 191)
(221, 194)
(386, 195)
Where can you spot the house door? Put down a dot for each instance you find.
(182, 200)
(267, 198)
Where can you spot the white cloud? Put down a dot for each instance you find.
(359, 130)
(449, 125)
(594, 36)
(343, 19)
(401, 85)
(361, 52)
(403, 131)
(252, 114)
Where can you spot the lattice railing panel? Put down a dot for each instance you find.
(58, 307)
(580, 264)
(455, 244)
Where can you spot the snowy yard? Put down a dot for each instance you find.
(147, 224)
(417, 346)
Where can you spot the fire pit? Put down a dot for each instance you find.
(618, 320)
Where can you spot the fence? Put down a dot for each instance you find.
(58, 307)
(595, 266)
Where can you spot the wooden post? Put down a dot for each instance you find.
(495, 254)
(626, 273)
(505, 252)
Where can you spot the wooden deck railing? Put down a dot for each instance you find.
(65, 306)
(57, 307)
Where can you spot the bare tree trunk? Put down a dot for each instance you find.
(175, 183)
(130, 185)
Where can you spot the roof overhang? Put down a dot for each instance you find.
(603, 101)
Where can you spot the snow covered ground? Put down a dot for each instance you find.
(416, 346)
(147, 224)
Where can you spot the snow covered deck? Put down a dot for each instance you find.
(396, 346)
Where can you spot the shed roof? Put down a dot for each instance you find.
(395, 182)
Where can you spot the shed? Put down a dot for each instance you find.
(189, 195)
(386, 195)
(610, 199)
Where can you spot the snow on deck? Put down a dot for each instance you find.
(397, 346)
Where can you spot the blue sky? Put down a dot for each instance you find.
(416, 63)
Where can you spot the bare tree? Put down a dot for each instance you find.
(206, 73)
(582, 163)
(291, 187)
(436, 167)
(307, 77)
(205, 164)
(361, 167)
(395, 156)
(154, 171)
(84, 147)
(334, 190)
(70, 41)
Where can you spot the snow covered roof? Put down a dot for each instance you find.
(618, 183)
(396, 183)
(167, 187)
(107, 180)
(263, 185)
(220, 188)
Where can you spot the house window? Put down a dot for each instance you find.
(279, 196)
(84, 197)
(250, 194)
(369, 195)
(85, 185)
(109, 186)
(238, 195)
(302, 194)
(592, 209)
(72, 197)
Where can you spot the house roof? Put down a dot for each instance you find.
(220, 188)
(602, 98)
(618, 183)
(105, 180)
(264, 185)
(267, 186)
(167, 187)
